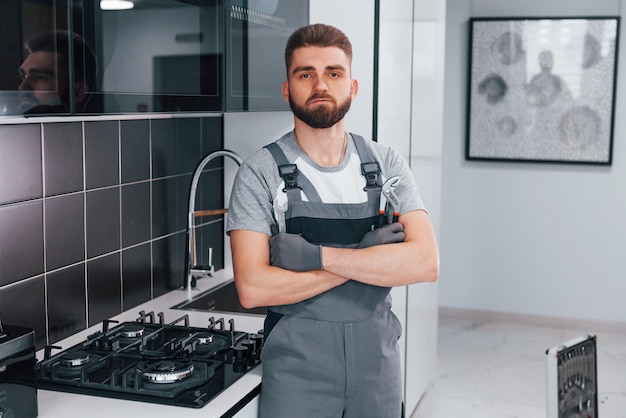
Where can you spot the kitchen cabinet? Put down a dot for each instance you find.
(162, 55)
(257, 32)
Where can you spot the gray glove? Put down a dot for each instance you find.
(386, 234)
(292, 252)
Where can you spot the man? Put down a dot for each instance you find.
(44, 74)
(308, 242)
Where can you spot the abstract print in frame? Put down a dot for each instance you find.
(542, 89)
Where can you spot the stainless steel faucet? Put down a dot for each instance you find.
(195, 272)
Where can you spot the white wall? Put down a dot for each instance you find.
(538, 239)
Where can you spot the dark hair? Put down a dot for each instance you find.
(58, 41)
(316, 35)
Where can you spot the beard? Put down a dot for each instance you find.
(43, 102)
(321, 117)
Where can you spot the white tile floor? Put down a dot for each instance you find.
(495, 366)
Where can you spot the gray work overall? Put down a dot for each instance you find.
(334, 355)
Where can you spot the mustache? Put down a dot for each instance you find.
(320, 96)
(26, 95)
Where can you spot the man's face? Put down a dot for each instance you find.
(40, 84)
(319, 88)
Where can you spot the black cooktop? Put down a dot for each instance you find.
(151, 361)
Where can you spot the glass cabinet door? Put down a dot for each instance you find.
(257, 35)
(35, 56)
(159, 56)
(79, 57)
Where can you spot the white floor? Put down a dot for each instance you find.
(495, 367)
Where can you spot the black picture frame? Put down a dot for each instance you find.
(542, 89)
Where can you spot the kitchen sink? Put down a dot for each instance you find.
(223, 298)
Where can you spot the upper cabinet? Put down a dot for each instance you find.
(158, 56)
(257, 33)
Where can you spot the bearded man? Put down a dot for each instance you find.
(309, 243)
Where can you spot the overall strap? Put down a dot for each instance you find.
(369, 168)
(294, 180)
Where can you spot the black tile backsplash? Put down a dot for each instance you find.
(211, 128)
(188, 146)
(168, 261)
(20, 163)
(135, 137)
(135, 213)
(137, 273)
(21, 241)
(104, 288)
(63, 157)
(66, 302)
(102, 150)
(65, 230)
(164, 148)
(103, 221)
(24, 304)
(93, 217)
(170, 198)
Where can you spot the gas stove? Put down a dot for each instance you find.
(149, 360)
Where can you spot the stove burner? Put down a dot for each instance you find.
(204, 337)
(74, 358)
(210, 345)
(167, 363)
(73, 364)
(166, 371)
(132, 330)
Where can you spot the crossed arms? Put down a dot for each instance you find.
(414, 260)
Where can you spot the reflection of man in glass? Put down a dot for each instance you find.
(44, 75)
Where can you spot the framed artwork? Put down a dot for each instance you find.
(542, 89)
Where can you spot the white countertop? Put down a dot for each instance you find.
(54, 404)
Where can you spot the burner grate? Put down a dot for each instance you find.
(150, 361)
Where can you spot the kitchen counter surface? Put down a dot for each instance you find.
(54, 404)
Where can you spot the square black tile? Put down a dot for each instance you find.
(63, 157)
(65, 230)
(163, 142)
(103, 221)
(135, 213)
(168, 260)
(188, 147)
(20, 163)
(169, 205)
(136, 276)
(104, 288)
(24, 304)
(163, 213)
(212, 135)
(102, 145)
(66, 302)
(182, 203)
(210, 192)
(135, 137)
(21, 241)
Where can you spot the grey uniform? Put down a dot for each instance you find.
(336, 354)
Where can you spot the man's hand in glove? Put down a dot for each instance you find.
(292, 252)
(386, 234)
